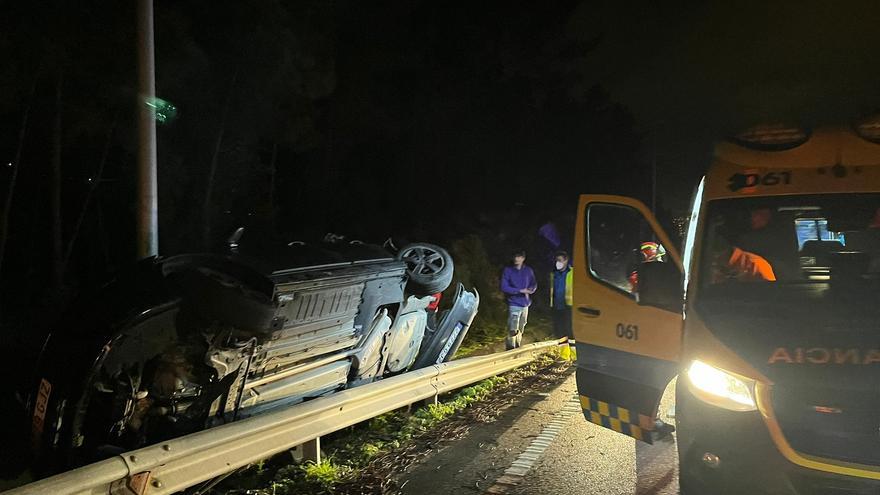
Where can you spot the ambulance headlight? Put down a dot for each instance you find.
(720, 388)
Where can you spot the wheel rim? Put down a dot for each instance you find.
(423, 261)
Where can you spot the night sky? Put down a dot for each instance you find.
(417, 119)
(696, 71)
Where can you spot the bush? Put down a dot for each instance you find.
(473, 268)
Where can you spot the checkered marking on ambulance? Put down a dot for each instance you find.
(619, 419)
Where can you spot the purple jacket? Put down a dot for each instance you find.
(512, 280)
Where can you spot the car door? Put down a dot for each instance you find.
(627, 350)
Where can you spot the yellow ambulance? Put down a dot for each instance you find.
(770, 317)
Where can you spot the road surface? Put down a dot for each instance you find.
(554, 450)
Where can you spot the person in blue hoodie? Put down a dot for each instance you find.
(518, 284)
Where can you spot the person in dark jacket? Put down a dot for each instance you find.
(518, 284)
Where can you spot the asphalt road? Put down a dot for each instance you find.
(581, 458)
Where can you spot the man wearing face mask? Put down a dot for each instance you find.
(560, 302)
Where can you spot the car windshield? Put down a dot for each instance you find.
(759, 244)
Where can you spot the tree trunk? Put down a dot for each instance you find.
(55, 189)
(102, 232)
(16, 165)
(93, 186)
(273, 171)
(212, 173)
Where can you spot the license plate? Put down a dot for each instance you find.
(42, 403)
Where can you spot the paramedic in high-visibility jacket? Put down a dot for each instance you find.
(560, 302)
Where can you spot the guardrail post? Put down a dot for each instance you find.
(309, 451)
(434, 399)
(312, 450)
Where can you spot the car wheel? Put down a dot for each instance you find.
(428, 267)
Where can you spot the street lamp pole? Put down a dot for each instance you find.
(147, 200)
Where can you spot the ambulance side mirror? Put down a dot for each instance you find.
(660, 286)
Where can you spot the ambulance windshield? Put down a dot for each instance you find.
(831, 240)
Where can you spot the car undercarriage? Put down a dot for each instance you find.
(192, 341)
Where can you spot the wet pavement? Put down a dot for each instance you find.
(581, 458)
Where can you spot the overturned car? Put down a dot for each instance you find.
(188, 342)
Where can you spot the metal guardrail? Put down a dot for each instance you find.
(183, 462)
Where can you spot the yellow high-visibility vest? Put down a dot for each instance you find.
(569, 277)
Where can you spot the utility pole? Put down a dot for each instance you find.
(147, 201)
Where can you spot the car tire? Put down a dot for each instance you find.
(429, 268)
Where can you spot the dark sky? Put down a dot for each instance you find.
(746, 59)
(694, 71)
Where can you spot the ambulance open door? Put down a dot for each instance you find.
(627, 313)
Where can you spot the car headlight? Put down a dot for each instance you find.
(720, 388)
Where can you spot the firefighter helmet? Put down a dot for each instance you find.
(651, 251)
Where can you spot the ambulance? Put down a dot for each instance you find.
(769, 316)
